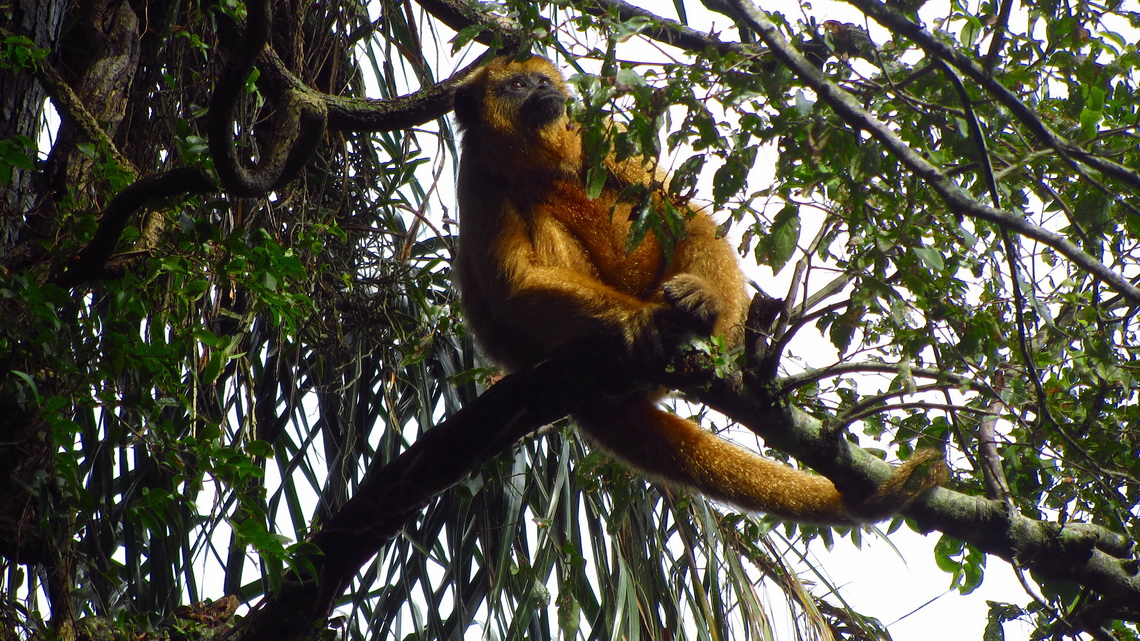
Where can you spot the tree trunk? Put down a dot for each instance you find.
(22, 104)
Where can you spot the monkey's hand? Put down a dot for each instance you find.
(691, 306)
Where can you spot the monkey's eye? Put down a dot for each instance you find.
(516, 82)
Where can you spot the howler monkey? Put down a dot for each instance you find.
(541, 264)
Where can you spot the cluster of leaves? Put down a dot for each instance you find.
(927, 286)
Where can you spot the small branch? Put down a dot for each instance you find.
(809, 377)
(89, 262)
(666, 31)
(833, 288)
(498, 32)
(847, 107)
(1000, 27)
(993, 474)
(869, 408)
(898, 23)
(993, 471)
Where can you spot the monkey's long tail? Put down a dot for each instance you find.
(676, 451)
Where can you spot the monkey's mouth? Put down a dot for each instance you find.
(543, 108)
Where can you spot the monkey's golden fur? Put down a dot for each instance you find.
(540, 265)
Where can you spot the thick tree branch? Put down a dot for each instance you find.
(89, 263)
(1088, 554)
(368, 114)
(392, 495)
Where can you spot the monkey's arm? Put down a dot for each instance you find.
(549, 291)
(557, 304)
(711, 284)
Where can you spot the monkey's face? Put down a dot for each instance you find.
(513, 99)
(534, 95)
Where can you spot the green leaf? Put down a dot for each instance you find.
(28, 381)
(1093, 211)
(596, 178)
(627, 76)
(783, 238)
(930, 257)
(731, 177)
(259, 448)
(993, 630)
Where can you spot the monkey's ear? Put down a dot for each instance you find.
(467, 101)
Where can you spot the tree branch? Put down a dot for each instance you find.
(664, 30)
(443, 456)
(496, 32)
(369, 114)
(1089, 554)
(89, 262)
(809, 377)
(299, 129)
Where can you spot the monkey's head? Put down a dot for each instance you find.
(514, 112)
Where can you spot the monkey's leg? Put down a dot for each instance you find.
(550, 306)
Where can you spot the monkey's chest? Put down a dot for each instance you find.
(591, 236)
